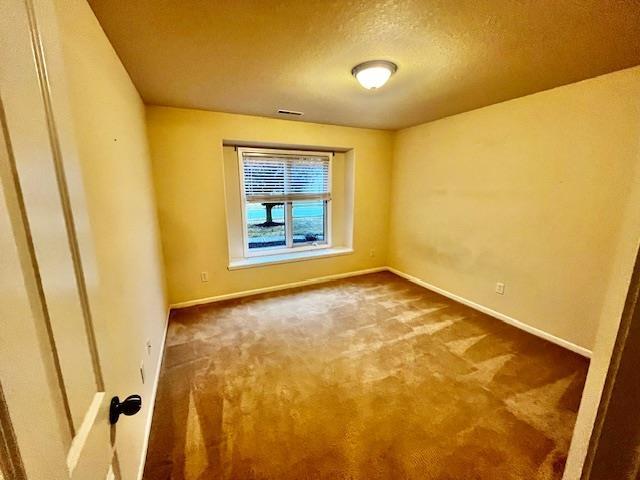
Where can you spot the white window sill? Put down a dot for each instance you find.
(238, 263)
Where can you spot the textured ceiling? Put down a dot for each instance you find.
(255, 56)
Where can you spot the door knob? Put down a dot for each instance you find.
(129, 406)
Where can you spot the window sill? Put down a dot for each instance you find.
(239, 263)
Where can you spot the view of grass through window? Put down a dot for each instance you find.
(266, 223)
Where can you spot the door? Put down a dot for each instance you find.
(54, 404)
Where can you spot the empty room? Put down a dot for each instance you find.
(319, 240)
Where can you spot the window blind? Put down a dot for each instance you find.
(282, 178)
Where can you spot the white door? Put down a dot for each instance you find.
(54, 405)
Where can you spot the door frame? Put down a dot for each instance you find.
(607, 449)
(10, 459)
(42, 369)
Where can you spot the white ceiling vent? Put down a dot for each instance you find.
(283, 111)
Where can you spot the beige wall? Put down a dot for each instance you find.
(187, 154)
(127, 290)
(529, 192)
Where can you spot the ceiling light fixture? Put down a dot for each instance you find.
(374, 74)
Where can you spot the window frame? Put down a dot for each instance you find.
(288, 205)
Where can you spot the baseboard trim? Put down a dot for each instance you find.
(152, 400)
(500, 316)
(275, 288)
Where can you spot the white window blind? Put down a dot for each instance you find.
(284, 178)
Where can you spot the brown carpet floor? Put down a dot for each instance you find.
(370, 377)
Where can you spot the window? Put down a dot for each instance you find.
(286, 200)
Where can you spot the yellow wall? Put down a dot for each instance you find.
(128, 301)
(187, 154)
(528, 192)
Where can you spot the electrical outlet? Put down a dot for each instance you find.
(204, 276)
(500, 288)
(142, 371)
(148, 345)
(372, 252)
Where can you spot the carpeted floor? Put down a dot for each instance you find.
(365, 378)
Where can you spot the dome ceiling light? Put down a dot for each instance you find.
(374, 74)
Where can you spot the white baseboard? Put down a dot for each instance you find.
(275, 288)
(152, 400)
(500, 316)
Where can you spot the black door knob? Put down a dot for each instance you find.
(129, 406)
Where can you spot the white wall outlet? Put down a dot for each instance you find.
(142, 371)
(148, 346)
(204, 276)
(500, 288)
